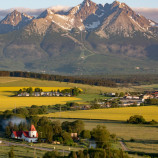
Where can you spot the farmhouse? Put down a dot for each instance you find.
(29, 136)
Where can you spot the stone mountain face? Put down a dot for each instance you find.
(89, 38)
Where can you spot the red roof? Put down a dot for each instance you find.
(17, 133)
(32, 128)
(25, 133)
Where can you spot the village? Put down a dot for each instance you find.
(128, 99)
(38, 92)
(44, 94)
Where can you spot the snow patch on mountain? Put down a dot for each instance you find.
(93, 25)
(88, 4)
(68, 27)
(153, 24)
(63, 17)
(137, 23)
(102, 14)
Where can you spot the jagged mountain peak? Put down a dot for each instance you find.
(119, 5)
(15, 11)
(46, 13)
(15, 17)
(115, 17)
(87, 2)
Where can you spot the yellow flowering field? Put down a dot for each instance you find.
(122, 114)
(7, 101)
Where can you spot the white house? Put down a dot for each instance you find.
(29, 136)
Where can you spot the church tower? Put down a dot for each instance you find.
(33, 132)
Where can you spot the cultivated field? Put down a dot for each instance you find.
(7, 101)
(119, 114)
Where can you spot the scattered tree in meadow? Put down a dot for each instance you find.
(11, 153)
(136, 119)
(51, 154)
(101, 136)
(7, 131)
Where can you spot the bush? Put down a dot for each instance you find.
(153, 122)
(51, 154)
(132, 140)
(136, 119)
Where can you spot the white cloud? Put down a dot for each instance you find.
(60, 8)
(32, 12)
(150, 13)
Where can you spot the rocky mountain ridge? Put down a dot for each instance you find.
(88, 16)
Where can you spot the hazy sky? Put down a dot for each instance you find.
(6, 4)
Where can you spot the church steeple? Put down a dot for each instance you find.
(32, 132)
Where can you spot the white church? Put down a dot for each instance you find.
(29, 136)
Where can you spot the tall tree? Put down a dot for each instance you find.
(101, 136)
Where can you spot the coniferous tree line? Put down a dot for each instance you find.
(108, 80)
(72, 79)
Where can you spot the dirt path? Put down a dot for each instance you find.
(123, 145)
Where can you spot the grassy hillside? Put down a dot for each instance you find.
(8, 85)
(27, 82)
(62, 53)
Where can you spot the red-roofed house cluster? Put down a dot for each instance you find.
(29, 136)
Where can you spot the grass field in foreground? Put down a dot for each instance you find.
(20, 152)
(122, 114)
(9, 102)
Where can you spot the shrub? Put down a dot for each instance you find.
(136, 119)
(132, 140)
(153, 122)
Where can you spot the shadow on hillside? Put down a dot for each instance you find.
(12, 93)
(142, 141)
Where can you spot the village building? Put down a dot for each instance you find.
(148, 96)
(29, 136)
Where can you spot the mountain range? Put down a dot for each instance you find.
(89, 38)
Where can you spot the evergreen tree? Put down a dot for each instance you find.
(11, 153)
(7, 132)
